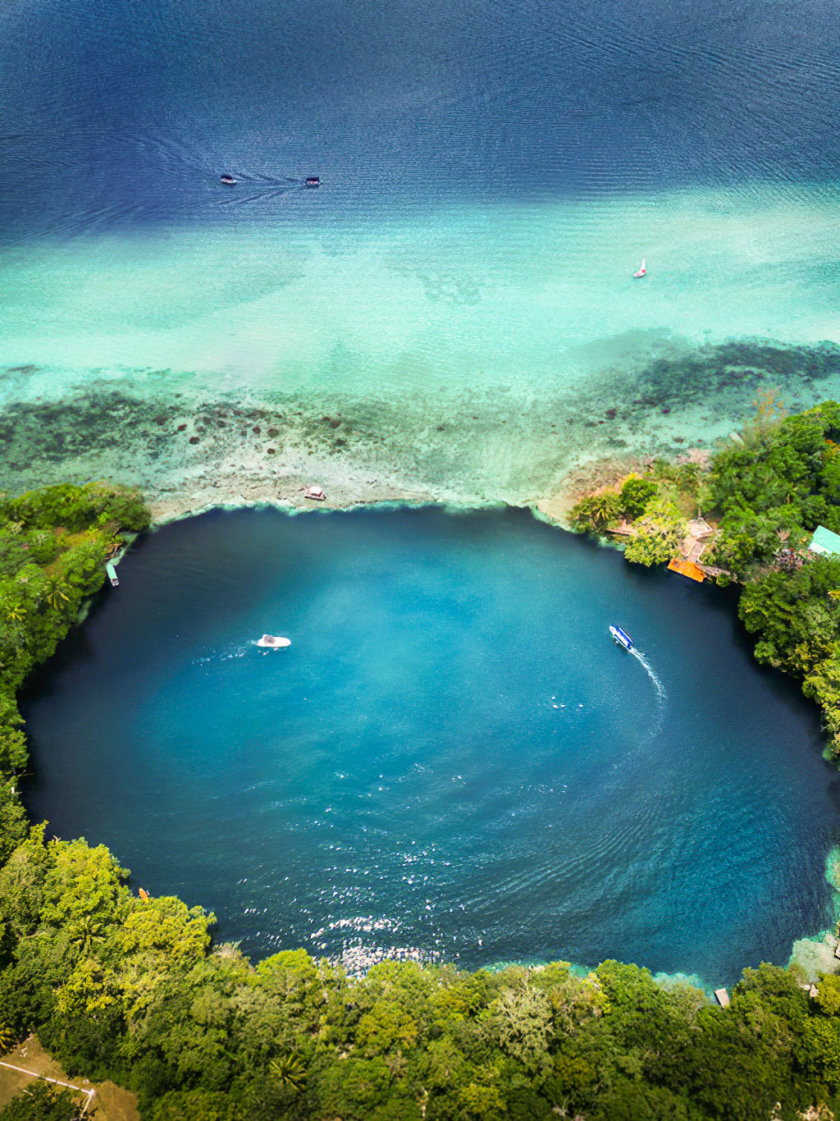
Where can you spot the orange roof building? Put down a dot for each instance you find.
(687, 568)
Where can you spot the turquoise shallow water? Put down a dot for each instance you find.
(529, 297)
(473, 354)
(451, 759)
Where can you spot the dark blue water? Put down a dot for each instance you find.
(120, 113)
(451, 758)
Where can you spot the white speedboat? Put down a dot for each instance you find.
(622, 637)
(273, 641)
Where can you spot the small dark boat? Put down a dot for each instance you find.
(228, 180)
(312, 181)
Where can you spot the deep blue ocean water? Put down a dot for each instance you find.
(121, 113)
(126, 113)
(452, 758)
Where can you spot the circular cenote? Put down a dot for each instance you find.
(452, 759)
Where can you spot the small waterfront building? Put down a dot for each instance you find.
(824, 542)
(698, 535)
(687, 568)
(722, 997)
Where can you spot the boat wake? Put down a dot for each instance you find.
(649, 670)
(224, 655)
(661, 695)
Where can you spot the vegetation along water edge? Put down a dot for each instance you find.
(134, 989)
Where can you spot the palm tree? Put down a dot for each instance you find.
(289, 1070)
(603, 508)
(55, 594)
(86, 931)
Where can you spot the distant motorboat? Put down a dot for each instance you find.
(312, 181)
(621, 637)
(641, 271)
(228, 180)
(273, 642)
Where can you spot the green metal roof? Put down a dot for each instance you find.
(824, 541)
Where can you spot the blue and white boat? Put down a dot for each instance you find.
(622, 637)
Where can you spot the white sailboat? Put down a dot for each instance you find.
(642, 270)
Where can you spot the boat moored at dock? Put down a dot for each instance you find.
(621, 637)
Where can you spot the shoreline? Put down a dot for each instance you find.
(352, 495)
(188, 458)
(539, 445)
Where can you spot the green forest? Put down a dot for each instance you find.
(136, 990)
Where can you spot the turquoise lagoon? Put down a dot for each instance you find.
(452, 759)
